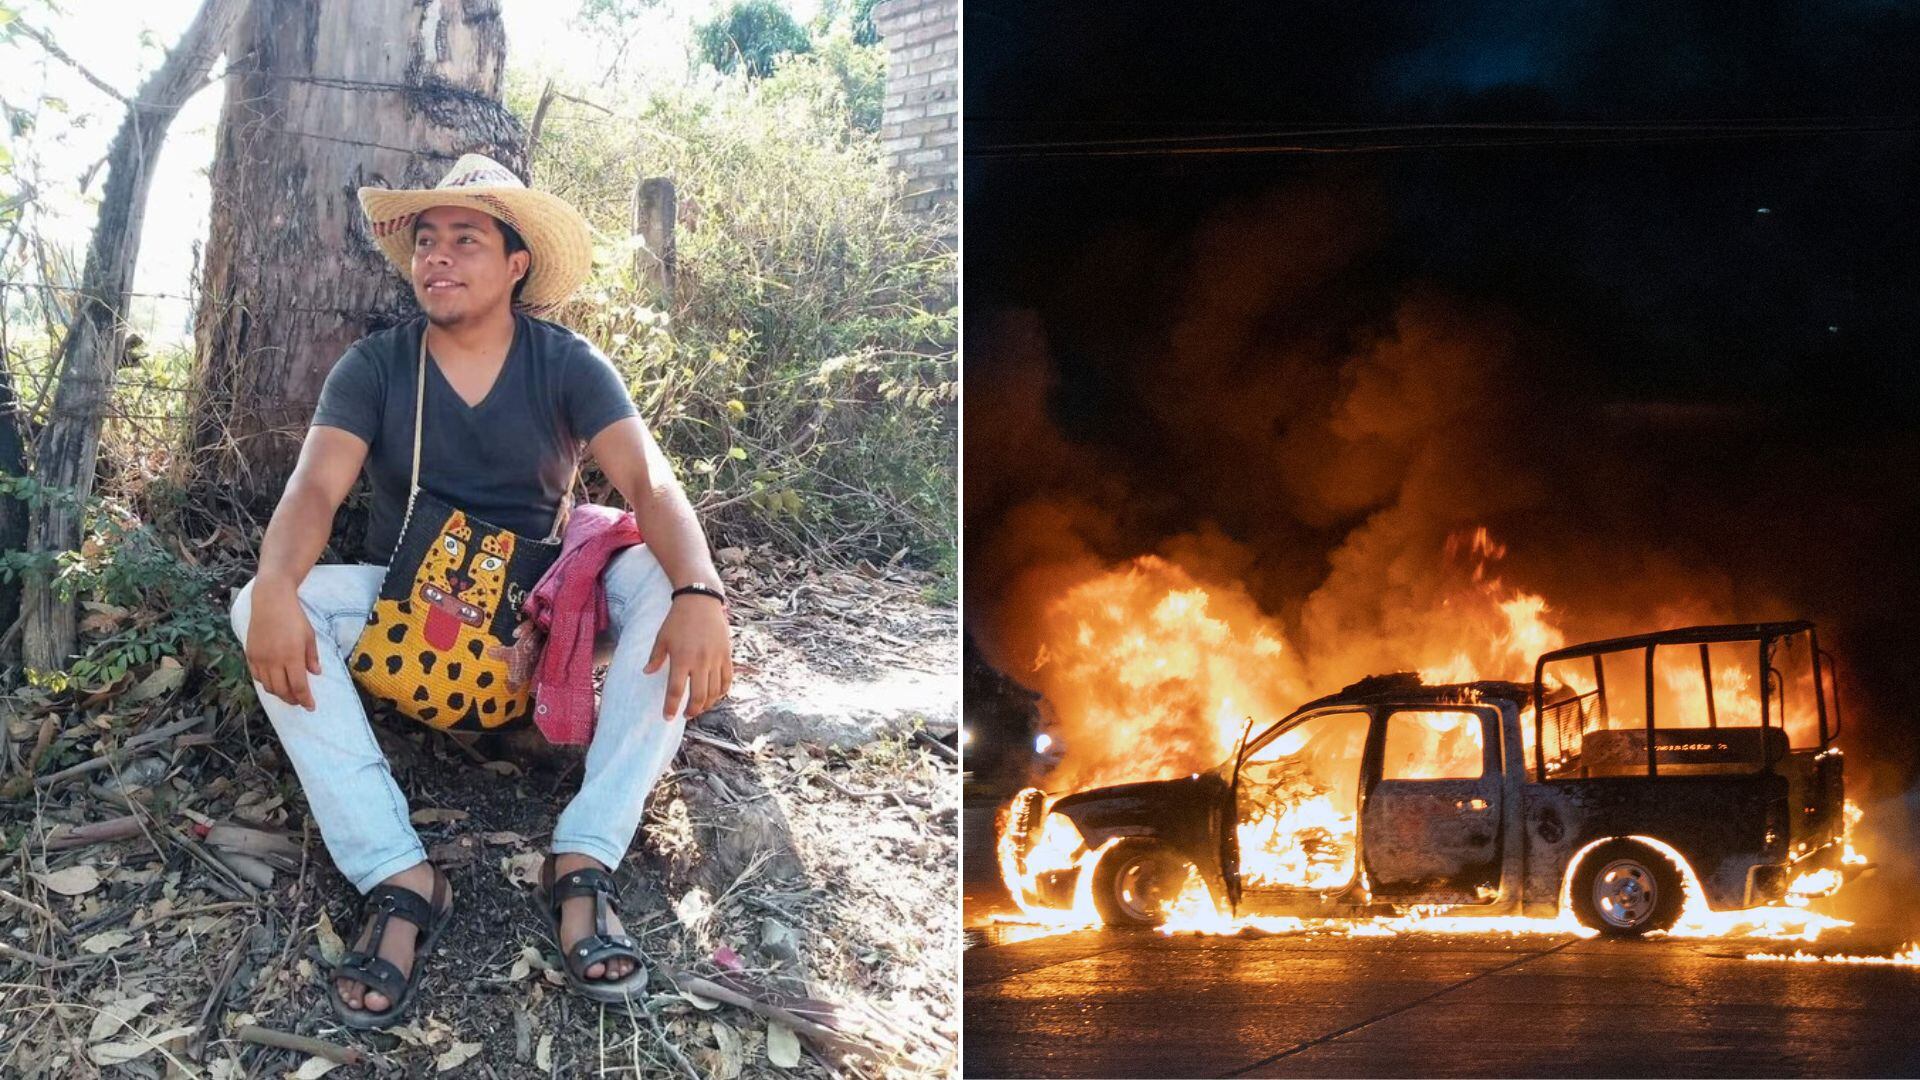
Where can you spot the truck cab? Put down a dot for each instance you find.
(1626, 767)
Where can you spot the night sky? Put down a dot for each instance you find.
(1655, 349)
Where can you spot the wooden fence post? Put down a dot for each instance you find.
(653, 215)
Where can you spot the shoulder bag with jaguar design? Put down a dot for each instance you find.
(438, 643)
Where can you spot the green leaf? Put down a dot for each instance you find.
(737, 454)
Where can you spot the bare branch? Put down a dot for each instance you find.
(60, 54)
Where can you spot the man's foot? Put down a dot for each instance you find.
(576, 920)
(396, 946)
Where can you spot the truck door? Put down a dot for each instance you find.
(1295, 811)
(1430, 825)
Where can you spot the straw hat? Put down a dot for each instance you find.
(556, 235)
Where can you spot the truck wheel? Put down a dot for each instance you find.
(1137, 881)
(1625, 889)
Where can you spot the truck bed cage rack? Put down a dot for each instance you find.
(1686, 635)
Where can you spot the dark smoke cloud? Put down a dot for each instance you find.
(1678, 382)
(1320, 455)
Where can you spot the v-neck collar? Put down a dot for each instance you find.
(513, 347)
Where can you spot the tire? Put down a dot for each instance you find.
(1625, 889)
(1023, 825)
(1137, 880)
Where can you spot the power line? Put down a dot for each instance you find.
(1435, 137)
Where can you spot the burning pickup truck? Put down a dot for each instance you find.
(1627, 767)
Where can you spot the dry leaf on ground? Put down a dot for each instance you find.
(528, 962)
(73, 881)
(456, 1056)
(693, 909)
(164, 679)
(783, 1046)
(105, 941)
(523, 869)
(731, 1059)
(332, 948)
(115, 1053)
(313, 1068)
(115, 1015)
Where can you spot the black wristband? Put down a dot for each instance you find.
(699, 589)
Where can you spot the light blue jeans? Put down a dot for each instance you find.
(360, 811)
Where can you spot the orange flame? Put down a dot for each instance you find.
(1149, 672)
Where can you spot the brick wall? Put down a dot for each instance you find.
(921, 125)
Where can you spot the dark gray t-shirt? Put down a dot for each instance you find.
(507, 460)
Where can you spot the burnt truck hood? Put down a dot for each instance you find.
(1182, 810)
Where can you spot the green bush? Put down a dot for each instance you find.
(839, 75)
(143, 601)
(804, 377)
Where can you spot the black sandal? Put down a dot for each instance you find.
(369, 969)
(597, 947)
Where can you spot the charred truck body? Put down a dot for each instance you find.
(1627, 764)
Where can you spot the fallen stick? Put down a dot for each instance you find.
(717, 743)
(28, 905)
(217, 998)
(660, 1033)
(825, 1037)
(27, 957)
(48, 963)
(138, 925)
(916, 800)
(114, 757)
(96, 832)
(465, 746)
(920, 736)
(279, 849)
(245, 867)
(222, 875)
(286, 1040)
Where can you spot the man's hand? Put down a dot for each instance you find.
(281, 649)
(523, 656)
(694, 642)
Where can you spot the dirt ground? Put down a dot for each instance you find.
(799, 883)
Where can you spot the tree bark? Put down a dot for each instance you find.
(13, 512)
(336, 94)
(64, 457)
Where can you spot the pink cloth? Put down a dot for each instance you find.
(570, 606)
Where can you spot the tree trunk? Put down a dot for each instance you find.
(64, 456)
(13, 512)
(335, 95)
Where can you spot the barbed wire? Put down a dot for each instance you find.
(334, 82)
(357, 312)
(440, 155)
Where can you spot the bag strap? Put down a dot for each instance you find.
(561, 513)
(419, 411)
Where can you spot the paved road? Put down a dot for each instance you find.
(1100, 1003)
